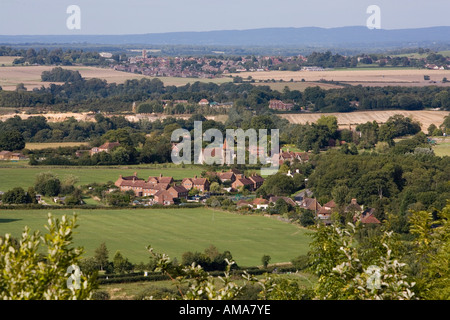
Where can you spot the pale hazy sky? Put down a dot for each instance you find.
(37, 17)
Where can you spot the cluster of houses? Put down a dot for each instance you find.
(201, 67)
(166, 191)
(185, 67)
(321, 212)
(11, 156)
(280, 105)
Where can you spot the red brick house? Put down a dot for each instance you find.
(201, 184)
(243, 182)
(140, 187)
(280, 105)
(257, 181)
(164, 197)
(160, 179)
(291, 156)
(178, 192)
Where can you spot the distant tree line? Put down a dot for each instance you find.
(59, 74)
(59, 56)
(148, 94)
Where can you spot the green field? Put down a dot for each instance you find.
(21, 175)
(442, 149)
(172, 231)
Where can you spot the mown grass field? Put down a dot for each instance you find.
(442, 149)
(172, 231)
(21, 175)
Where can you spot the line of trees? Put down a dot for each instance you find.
(98, 95)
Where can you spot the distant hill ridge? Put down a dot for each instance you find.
(306, 36)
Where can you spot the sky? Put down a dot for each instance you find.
(100, 17)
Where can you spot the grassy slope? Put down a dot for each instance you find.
(173, 231)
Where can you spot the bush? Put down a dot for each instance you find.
(100, 295)
(300, 262)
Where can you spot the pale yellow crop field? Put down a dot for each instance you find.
(6, 60)
(352, 119)
(30, 76)
(378, 76)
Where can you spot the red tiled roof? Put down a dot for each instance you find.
(286, 199)
(260, 201)
(245, 181)
(310, 204)
(370, 219)
(256, 178)
(235, 171)
(323, 210)
(179, 189)
(226, 175)
(330, 204)
(199, 181)
(109, 145)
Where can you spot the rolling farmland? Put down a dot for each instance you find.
(172, 231)
(363, 76)
(351, 119)
(30, 76)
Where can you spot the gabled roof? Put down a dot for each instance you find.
(330, 204)
(256, 178)
(241, 203)
(235, 171)
(257, 201)
(370, 219)
(179, 189)
(226, 175)
(353, 206)
(109, 145)
(244, 181)
(165, 180)
(368, 216)
(310, 204)
(323, 210)
(286, 199)
(199, 181)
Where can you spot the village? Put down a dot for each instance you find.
(200, 67)
(239, 188)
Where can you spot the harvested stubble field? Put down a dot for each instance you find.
(44, 145)
(30, 76)
(352, 119)
(378, 76)
(6, 60)
(300, 86)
